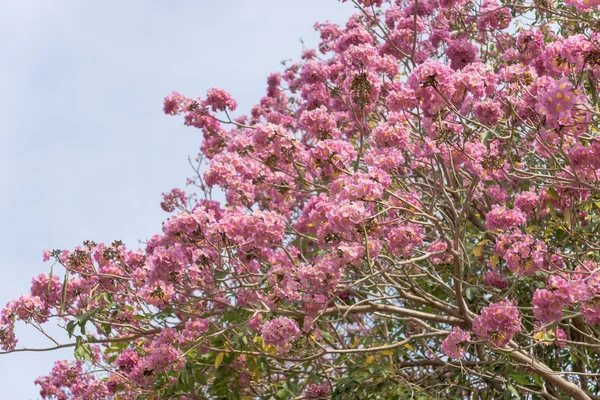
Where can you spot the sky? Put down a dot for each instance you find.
(85, 150)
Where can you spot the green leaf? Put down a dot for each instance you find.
(282, 393)
(568, 219)
(520, 379)
(471, 292)
(485, 136)
(552, 211)
(83, 318)
(63, 297)
(71, 327)
(50, 280)
(553, 194)
(513, 390)
(82, 350)
(593, 90)
(219, 359)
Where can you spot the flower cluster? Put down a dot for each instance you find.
(67, 381)
(501, 218)
(176, 198)
(488, 112)
(523, 254)
(280, 332)
(451, 346)
(318, 392)
(461, 52)
(557, 100)
(353, 190)
(498, 323)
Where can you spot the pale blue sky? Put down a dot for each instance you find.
(85, 150)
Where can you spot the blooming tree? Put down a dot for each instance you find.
(411, 212)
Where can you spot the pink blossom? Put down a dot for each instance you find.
(171, 103)
(557, 101)
(176, 198)
(496, 279)
(501, 218)
(461, 52)
(280, 332)
(404, 238)
(255, 323)
(451, 345)
(561, 336)
(498, 323)
(488, 112)
(318, 392)
(522, 253)
(527, 201)
(493, 15)
(219, 100)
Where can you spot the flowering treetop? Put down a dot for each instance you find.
(411, 212)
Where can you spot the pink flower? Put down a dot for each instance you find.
(280, 332)
(548, 305)
(461, 52)
(583, 5)
(401, 98)
(404, 238)
(319, 123)
(561, 336)
(432, 81)
(527, 201)
(523, 254)
(127, 361)
(194, 329)
(219, 100)
(330, 157)
(346, 215)
(171, 104)
(488, 112)
(451, 346)
(176, 198)
(530, 44)
(318, 392)
(68, 381)
(493, 15)
(360, 186)
(557, 101)
(498, 323)
(501, 218)
(255, 323)
(496, 279)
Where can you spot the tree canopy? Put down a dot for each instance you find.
(411, 212)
